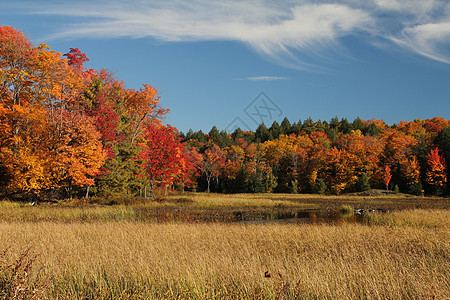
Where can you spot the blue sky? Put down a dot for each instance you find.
(211, 60)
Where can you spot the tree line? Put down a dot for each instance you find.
(70, 131)
(326, 157)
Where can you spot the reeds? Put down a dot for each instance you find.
(124, 260)
(18, 279)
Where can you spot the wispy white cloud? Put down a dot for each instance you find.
(301, 34)
(429, 40)
(263, 78)
(416, 7)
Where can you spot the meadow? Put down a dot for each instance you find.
(93, 251)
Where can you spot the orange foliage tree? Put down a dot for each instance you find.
(79, 152)
(386, 176)
(436, 175)
(340, 169)
(35, 83)
(213, 163)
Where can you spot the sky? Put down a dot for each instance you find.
(238, 63)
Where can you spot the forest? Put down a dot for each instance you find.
(101, 199)
(326, 157)
(69, 131)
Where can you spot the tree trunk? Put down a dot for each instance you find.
(151, 190)
(208, 180)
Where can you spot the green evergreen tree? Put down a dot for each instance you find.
(262, 134)
(416, 189)
(121, 178)
(344, 126)
(372, 130)
(332, 134)
(240, 183)
(309, 126)
(319, 187)
(396, 189)
(200, 137)
(275, 130)
(358, 124)
(334, 123)
(285, 126)
(237, 134)
(295, 129)
(257, 184)
(320, 126)
(214, 134)
(225, 139)
(362, 184)
(189, 135)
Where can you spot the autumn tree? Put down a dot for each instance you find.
(386, 176)
(436, 175)
(79, 152)
(410, 170)
(213, 162)
(282, 155)
(364, 151)
(260, 172)
(162, 157)
(339, 169)
(122, 117)
(191, 167)
(37, 90)
(442, 140)
(234, 177)
(26, 156)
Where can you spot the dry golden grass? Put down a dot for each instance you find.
(123, 260)
(432, 218)
(11, 211)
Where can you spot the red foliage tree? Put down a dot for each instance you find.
(163, 157)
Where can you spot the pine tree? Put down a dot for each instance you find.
(286, 126)
(362, 184)
(275, 130)
(262, 134)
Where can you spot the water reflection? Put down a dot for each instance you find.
(304, 217)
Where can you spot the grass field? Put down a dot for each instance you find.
(202, 207)
(54, 253)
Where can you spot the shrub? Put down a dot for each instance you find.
(18, 279)
(320, 187)
(347, 209)
(362, 184)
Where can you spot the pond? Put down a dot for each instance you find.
(309, 217)
(255, 215)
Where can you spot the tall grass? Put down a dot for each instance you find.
(14, 212)
(432, 218)
(122, 260)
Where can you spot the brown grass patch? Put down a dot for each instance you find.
(122, 260)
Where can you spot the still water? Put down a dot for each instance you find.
(303, 217)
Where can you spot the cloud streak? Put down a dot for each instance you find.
(263, 78)
(302, 34)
